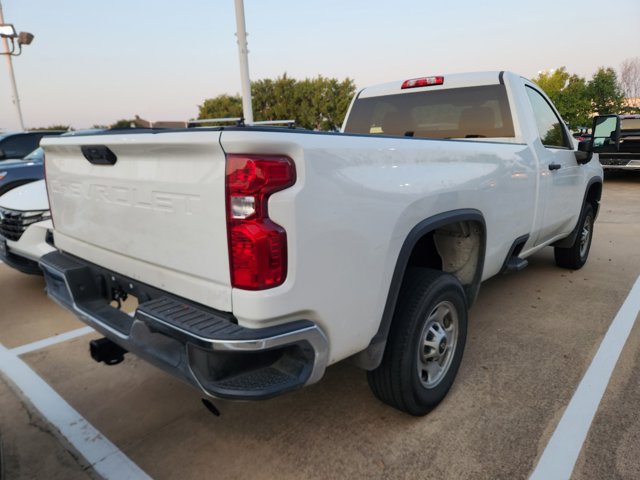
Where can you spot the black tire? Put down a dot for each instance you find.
(576, 255)
(414, 377)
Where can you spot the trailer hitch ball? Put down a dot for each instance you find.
(104, 350)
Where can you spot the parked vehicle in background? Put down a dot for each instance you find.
(25, 227)
(20, 144)
(581, 133)
(259, 256)
(620, 150)
(14, 173)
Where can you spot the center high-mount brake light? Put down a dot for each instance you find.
(257, 245)
(423, 82)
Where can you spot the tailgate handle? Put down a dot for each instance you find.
(99, 155)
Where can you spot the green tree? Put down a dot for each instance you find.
(605, 92)
(569, 94)
(329, 100)
(277, 99)
(221, 106)
(122, 123)
(54, 127)
(317, 103)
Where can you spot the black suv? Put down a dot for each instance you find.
(20, 144)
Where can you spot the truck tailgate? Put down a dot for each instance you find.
(156, 215)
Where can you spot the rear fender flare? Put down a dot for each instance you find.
(371, 357)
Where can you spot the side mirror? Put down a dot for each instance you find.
(606, 133)
(585, 151)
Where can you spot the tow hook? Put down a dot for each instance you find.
(104, 350)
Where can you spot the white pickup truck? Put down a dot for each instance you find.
(259, 256)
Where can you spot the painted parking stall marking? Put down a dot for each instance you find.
(47, 342)
(560, 455)
(103, 456)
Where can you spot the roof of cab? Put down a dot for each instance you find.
(452, 80)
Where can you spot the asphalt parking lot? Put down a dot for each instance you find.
(532, 338)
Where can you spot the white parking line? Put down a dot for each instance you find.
(560, 455)
(105, 458)
(47, 342)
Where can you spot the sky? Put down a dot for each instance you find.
(93, 62)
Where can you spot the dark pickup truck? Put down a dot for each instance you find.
(620, 151)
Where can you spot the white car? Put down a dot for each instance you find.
(25, 227)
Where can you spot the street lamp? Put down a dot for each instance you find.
(8, 34)
(8, 31)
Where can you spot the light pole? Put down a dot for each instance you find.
(247, 107)
(8, 33)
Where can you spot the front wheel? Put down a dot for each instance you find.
(576, 255)
(425, 345)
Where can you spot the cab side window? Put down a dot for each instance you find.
(549, 124)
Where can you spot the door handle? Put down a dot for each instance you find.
(555, 166)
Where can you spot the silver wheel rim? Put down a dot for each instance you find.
(585, 236)
(438, 341)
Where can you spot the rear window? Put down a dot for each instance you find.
(630, 124)
(471, 112)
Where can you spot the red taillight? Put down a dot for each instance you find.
(257, 246)
(423, 82)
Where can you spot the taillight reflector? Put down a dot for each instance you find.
(257, 245)
(423, 82)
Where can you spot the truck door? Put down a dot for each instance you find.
(560, 174)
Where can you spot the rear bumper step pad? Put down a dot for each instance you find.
(197, 344)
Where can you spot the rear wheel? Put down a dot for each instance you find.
(576, 255)
(425, 345)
